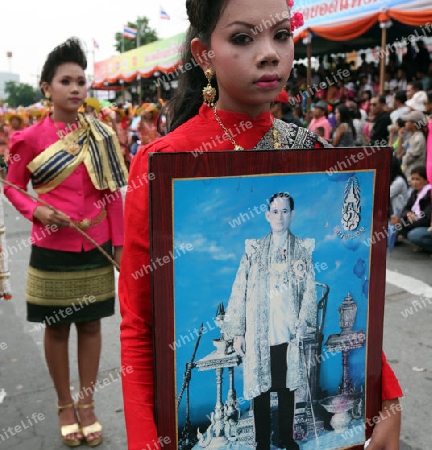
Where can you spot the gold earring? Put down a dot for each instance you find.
(47, 95)
(209, 92)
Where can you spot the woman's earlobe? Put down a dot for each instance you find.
(201, 53)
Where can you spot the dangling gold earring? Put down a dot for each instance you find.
(209, 92)
(47, 95)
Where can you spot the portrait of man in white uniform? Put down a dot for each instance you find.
(272, 304)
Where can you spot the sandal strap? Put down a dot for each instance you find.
(70, 429)
(93, 428)
(62, 407)
(85, 405)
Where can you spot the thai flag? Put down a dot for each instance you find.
(163, 14)
(129, 32)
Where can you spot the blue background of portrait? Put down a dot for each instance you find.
(204, 217)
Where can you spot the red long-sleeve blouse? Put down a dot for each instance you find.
(134, 293)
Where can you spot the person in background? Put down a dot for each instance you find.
(400, 108)
(16, 123)
(429, 143)
(282, 110)
(368, 126)
(417, 97)
(320, 131)
(381, 123)
(414, 149)
(148, 128)
(345, 133)
(92, 107)
(396, 137)
(320, 119)
(359, 122)
(4, 144)
(134, 146)
(366, 101)
(429, 138)
(415, 218)
(298, 113)
(398, 187)
(121, 128)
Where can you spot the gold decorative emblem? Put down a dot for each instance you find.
(84, 224)
(71, 146)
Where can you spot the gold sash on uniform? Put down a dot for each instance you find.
(98, 148)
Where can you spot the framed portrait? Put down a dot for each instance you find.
(268, 286)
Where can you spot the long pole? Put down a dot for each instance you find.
(139, 90)
(383, 57)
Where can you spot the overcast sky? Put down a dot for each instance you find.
(31, 29)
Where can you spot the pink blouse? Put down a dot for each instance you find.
(76, 196)
(429, 152)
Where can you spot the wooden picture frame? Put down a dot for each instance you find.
(207, 213)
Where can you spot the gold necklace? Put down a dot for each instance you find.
(276, 138)
(71, 145)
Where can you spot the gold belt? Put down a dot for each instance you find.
(85, 224)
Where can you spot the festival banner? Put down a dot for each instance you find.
(162, 55)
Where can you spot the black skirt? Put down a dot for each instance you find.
(69, 287)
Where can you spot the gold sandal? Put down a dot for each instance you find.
(69, 429)
(95, 427)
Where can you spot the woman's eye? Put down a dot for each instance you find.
(81, 83)
(241, 39)
(283, 35)
(65, 81)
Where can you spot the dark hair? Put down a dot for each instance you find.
(417, 85)
(69, 51)
(429, 96)
(396, 170)
(135, 138)
(401, 96)
(203, 17)
(299, 111)
(286, 108)
(419, 170)
(381, 99)
(281, 195)
(401, 123)
(346, 117)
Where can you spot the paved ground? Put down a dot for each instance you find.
(30, 401)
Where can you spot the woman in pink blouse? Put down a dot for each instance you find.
(429, 144)
(75, 165)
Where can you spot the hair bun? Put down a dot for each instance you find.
(198, 13)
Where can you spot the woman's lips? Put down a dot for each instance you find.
(269, 81)
(267, 84)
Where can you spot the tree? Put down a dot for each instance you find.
(21, 94)
(146, 35)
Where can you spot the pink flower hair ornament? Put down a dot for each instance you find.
(297, 19)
